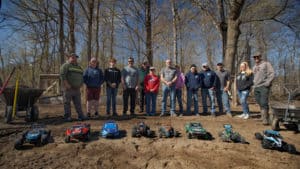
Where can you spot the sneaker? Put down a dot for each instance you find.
(115, 114)
(82, 118)
(213, 115)
(173, 114)
(161, 114)
(241, 116)
(197, 114)
(88, 115)
(246, 116)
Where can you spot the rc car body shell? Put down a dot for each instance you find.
(110, 129)
(195, 130)
(80, 131)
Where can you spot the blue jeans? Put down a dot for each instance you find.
(111, 94)
(192, 94)
(243, 95)
(223, 100)
(151, 103)
(178, 94)
(210, 93)
(165, 91)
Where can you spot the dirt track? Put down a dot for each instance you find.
(155, 153)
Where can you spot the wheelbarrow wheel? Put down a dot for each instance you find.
(8, 114)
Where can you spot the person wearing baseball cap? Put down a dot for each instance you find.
(208, 88)
(263, 77)
(143, 71)
(151, 87)
(71, 75)
(223, 84)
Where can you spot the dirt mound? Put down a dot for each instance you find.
(155, 153)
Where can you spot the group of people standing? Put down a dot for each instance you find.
(214, 85)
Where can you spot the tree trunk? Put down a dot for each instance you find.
(222, 26)
(112, 36)
(97, 30)
(175, 15)
(72, 27)
(232, 41)
(61, 31)
(90, 30)
(148, 25)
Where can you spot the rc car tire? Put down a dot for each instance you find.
(258, 136)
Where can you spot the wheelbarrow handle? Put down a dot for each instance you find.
(7, 80)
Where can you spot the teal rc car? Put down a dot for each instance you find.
(228, 135)
(195, 130)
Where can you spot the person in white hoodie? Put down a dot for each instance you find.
(263, 77)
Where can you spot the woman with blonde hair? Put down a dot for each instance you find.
(244, 82)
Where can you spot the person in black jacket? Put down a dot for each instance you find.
(112, 76)
(208, 88)
(192, 83)
(244, 81)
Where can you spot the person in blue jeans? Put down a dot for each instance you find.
(244, 82)
(112, 76)
(168, 78)
(208, 88)
(192, 83)
(178, 88)
(151, 87)
(223, 83)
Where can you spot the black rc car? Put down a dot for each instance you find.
(167, 131)
(37, 135)
(271, 139)
(141, 129)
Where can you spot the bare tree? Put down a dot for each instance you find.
(148, 25)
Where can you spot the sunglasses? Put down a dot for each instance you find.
(130, 61)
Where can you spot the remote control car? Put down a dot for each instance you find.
(271, 139)
(110, 130)
(80, 131)
(141, 129)
(195, 129)
(167, 131)
(37, 135)
(228, 135)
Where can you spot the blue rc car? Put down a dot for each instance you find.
(37, 135)
(110, 130)
(272, 139)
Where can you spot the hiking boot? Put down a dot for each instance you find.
(115, 114)
(96, 114)
(265, 117)
(228, 113)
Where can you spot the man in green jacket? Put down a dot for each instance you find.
(263, 77)
(71, 75)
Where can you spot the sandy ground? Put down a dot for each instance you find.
(131, 153)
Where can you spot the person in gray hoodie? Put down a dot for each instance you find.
(263, 77)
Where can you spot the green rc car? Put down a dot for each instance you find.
(228, 135)
(195, 130)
